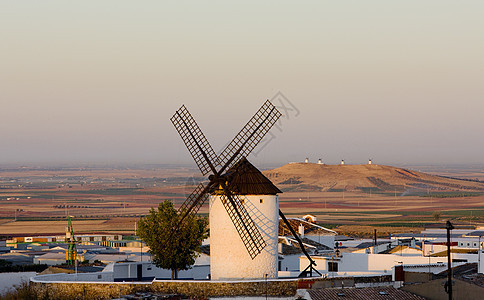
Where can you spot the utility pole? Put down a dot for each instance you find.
(479, 255)
(449, 227)
(265, 275)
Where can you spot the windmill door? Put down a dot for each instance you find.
(140, 272)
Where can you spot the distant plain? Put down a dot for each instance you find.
(35, 201)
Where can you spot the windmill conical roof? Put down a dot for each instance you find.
(245, 179)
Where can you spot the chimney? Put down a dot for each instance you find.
(301, 230)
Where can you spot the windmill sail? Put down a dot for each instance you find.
(241, 146)
(246, 228)
(196, 199)
(194, 139)
(248, 138)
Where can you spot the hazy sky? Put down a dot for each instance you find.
(97, 81)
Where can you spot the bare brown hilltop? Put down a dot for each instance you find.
(327, 178)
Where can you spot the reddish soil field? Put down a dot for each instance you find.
(117, 198)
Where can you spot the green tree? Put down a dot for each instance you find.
(171, 247)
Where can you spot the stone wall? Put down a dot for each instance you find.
(198, 289)
(190, 288)
(58, 291)
(417, 277)
(236, 288)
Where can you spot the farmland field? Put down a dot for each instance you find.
(36, 201)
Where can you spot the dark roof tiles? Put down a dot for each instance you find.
(245, 179)
(376, 293)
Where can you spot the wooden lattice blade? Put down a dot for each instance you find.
(250, 135)
(194, 139)
(195, 200)
(245, 226)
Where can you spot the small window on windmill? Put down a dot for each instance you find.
(261, 200)
(242, 201)
(224, 200)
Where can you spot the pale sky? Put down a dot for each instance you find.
(97, 81)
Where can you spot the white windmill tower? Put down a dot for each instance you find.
(244, 204)
(230, 256)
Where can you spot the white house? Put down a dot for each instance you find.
(365, 263)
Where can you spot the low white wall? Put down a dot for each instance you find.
(470, 257)
(8, 281)
(49, 262)
(290, 262)
(356, 274)
(327, 240)
(288, 274)
(129, 271)
(89, 277)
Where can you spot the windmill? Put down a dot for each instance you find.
(238, 194)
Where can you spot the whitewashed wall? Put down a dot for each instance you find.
(84, 277)
(229, 258)
(8, 281)
(361, 262)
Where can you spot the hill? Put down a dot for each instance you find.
(377, 178)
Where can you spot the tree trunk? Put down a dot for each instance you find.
(174, 274)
